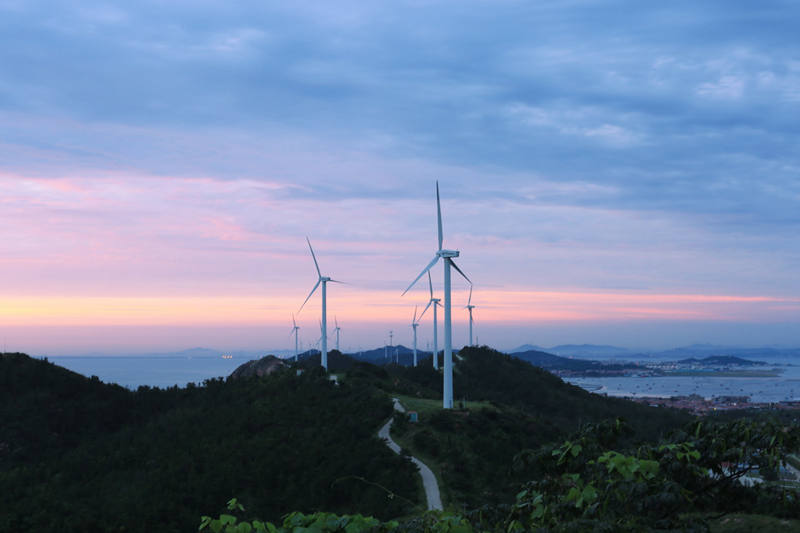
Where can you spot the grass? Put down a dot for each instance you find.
(427, 406)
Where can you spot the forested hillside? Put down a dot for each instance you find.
(521, 450)
(80, 455)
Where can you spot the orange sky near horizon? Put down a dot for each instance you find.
(505, 306)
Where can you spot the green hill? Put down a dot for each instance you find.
(522, 406)
(80, 455)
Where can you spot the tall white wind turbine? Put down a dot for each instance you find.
(337, 329)
(470, 307)
(447, 255)
(324, 322)
(435, 302)
(414, 325)
(295, 329)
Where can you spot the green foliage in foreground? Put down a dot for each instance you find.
(667, 485)
(583, 484)
(430, 522)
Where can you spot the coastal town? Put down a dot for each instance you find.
(700, 405)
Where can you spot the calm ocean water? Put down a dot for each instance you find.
(155, 371)
(776, 389)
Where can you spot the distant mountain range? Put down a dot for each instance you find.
(578, 350)
(549, 361)
(378, 356)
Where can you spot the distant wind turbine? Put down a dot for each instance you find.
(435, 302)
(447, 255)
(295, 329)
(324, 322)
(414, 325)
(337, 330)
(470, 307)
(322, 337)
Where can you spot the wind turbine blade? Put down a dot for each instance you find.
(314, 256)
(294, 324)
(336, 321)
(458, 269)
(309, 296)
(413, 320)
(337, 281)
(430, 284)
(427, 268)
(439, 214)
(426, 308)
(469, 301)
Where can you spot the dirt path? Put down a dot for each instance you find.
(428, 479)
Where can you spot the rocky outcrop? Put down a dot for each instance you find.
(258, 367)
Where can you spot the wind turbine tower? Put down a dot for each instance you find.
(295, 329)
(470, 307)
(324, 323)
(338, 329)
(414, 325)
(447, 256)
(435, 302)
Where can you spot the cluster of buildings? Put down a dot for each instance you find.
(699, 405)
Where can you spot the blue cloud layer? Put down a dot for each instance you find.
(684, 108)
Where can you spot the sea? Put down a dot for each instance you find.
(153, 371)
(167, 371)
(784, 387)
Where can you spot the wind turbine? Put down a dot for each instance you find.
(324, 322)
(470, 307)
(414, 325)
(435, 303)
(295, 329)
(321, 337)
(447, 255)
(337, 330)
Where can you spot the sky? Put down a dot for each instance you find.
(612, 172)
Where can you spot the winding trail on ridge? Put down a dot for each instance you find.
(428, 479)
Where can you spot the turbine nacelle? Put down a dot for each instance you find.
(447, 253)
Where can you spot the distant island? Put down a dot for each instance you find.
(715, 366)
(710, 366)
